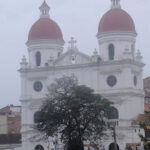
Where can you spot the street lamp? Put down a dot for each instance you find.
(112, 125)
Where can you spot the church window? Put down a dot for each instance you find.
(37, 86)
(36, 117)
(43, 12)
(38, 58)
(39, 147)
(132, 50)
(73, 59)
(111, 51)
(113, 114)
(111, 81)
(135, 80)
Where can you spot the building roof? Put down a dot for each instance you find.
(45, 28)
(116, 19)
(44, 5)
(142, 118)
(146, 83)
(8, 109)
(147, 107)
(147, 94)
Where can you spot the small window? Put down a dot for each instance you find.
(38, 58)
(111, 52)
(135, 80)
(44, 12)
(73, 59)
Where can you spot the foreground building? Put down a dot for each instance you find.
(147, 94)
(115, 71)
(10, 120)
(10, 125)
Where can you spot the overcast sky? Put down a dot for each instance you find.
(77, 18)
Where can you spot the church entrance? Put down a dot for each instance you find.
(112, 146)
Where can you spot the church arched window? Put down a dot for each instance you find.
(38, 58)
(39, 147)
(36, 117)
(111, 51)
(113, 114)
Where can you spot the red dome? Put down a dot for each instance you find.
(45, 28)
(116, 19)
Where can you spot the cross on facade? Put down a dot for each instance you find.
(72, 43)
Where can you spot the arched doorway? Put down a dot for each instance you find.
(39, 147)
(112, 146)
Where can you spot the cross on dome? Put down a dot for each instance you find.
(44, 10)
(115, 4)
(72, 43)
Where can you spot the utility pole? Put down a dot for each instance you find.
(115, 141)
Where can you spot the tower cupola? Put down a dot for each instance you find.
(44, 10)
(115, 4)
(45, 27)
(45, 39)
(115, 29)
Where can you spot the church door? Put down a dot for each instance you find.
(112, 146)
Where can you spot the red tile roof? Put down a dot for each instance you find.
(116, 19)
(45, 28)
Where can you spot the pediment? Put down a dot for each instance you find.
(72, 57)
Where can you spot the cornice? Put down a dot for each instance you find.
(115, 33)
(32, 99)
(122, 92)
(81, 66)
(44, 41)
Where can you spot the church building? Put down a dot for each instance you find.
(114, 71)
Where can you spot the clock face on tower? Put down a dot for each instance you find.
(111, 81)
(37, 86)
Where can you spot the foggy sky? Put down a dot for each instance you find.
(77, 18)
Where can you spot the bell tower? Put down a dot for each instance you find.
(117, 48)
(45, 41)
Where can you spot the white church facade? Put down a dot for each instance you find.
(114, 71)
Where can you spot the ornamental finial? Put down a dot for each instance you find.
(44, 10)
(115, 4)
